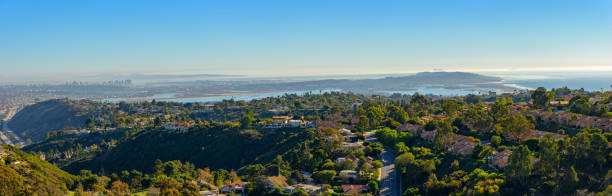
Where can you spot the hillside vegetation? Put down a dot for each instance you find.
(219, 145)
(25, 174)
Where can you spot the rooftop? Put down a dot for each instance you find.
(354, 188)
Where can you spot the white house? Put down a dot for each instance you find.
(294, 123)
(349, 174)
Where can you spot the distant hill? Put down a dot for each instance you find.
(36, 120)
(24, 174)
(448, 80)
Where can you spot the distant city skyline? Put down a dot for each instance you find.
(56, 39)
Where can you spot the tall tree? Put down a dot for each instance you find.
(450, 106)
(478, 117)
(603, 110)
(541, 97)
(279, 162)
(472, 99)
(549, 155)
(500, 109)
(419, 100)
(600, 149)
(516, 125)
(398, 114)
(364, 123)
(580, 104)
(519, 164)
(375, 114)
(444, 135)
(247, 118)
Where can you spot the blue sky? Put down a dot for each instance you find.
(301, 37)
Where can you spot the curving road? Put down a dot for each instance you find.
(389, 184)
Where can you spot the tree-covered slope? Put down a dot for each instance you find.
(25, 174)
(36, 120)
(215, 146)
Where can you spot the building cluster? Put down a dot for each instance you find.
(464, 146)
(312, 189)
(538, 134)
(567, 118)
(459, 145)
(103, 83)
(349, 142)
(288, 121)
(176, 126)
(499, 159)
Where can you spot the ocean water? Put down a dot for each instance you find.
(589, 84)
(246, 97)
(590, 81)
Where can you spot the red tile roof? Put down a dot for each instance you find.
(354, 188)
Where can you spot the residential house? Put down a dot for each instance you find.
(307, 176)
(499, 159)
(370, 166)
(277, 182)
(352, 146)
(354, 160)
(462, 145)
(369, 158)
(234, 187)
(348, 135)
(307, 124)
(178, 126)
(207, 193)
(294, 123)
(567, 118)
(348, 174)
(538, 134)
(78, 132)
(345, 131)
(209, 186)
(412, 128)
(279, 121)
(311, 189)
(428, 135)
(206, 110)
(329, 138)
(354, 188)
(279, 109)
(432, 117)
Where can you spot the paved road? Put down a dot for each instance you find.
(5, 138)
(389, 184)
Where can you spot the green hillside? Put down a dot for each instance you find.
(25, 174)
(218, 145)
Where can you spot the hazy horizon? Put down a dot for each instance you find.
(151, 78)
